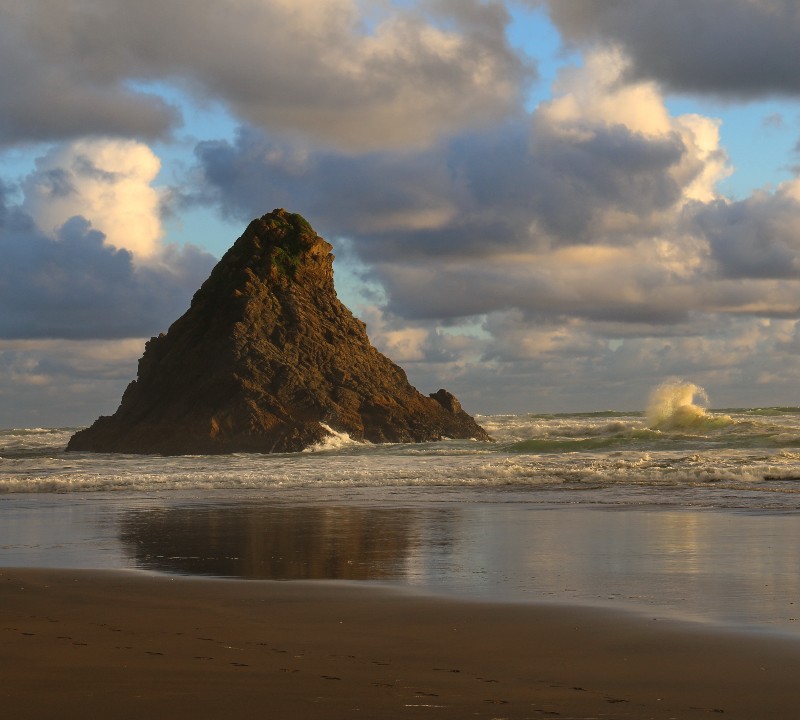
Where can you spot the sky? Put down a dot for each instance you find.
(540, 205)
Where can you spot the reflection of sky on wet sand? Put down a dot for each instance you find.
(728, 567)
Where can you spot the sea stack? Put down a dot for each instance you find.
(267, 359)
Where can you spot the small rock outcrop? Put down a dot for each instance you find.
(267, 359)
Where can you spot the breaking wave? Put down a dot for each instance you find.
(334, 440)
(744, 458)
(672, 407)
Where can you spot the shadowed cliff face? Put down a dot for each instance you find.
(264, 359)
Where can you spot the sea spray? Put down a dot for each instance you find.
(334, 440)
(672, 407)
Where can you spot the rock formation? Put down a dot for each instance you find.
(267, 359)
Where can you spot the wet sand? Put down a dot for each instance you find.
(130, 645)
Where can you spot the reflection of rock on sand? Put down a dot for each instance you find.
(290, 543)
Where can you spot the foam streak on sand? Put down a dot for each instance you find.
(125, 645)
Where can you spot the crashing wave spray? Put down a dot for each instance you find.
(672, 407)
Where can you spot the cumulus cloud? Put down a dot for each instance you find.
(52, 80)
(562, 176)
(758, 237)
(581, 210)
(74, 285)
(345, 73)
(106, 180)
(588, 239)
(77, 304)
(738, 48)
(573, 247)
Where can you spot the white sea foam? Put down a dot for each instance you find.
(752, 461)
(334, 440)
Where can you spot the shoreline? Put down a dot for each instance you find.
(122, 644)
(727, 568)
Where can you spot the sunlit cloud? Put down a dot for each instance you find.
(346, 74)
(70, 282)
(107, 181)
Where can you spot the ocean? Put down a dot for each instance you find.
(675, 509)
(675, 453)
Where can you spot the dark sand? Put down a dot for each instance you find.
(88, 644)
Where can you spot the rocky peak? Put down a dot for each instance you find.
(266, 359)
(280, 247)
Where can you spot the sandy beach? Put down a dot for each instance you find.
(118, 644)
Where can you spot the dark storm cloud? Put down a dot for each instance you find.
(311, 68)
(741, 48)
(73, 286)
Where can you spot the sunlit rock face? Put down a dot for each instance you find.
(267, 359)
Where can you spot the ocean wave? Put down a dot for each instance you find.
(672, 407)
(593, 458)
(334, 440)
(557, 445)
(765, 412)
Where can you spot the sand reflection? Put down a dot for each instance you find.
(269, 542)
(732, 568)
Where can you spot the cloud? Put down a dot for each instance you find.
(758, 237)
(574, 254)
(77, 308)
(74, 285)
(581, 210)
(773, 121)
(734, 48)
(562, 176)
(63, 382)
(558, 367)
(106, 180)
(53, 83)
(585, 246)
(344, 73)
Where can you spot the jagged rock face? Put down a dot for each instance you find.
(264, 359)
